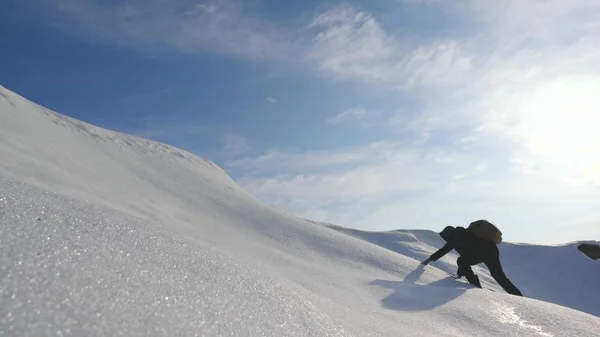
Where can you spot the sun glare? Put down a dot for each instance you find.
(562, 124)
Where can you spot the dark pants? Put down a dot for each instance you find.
(464, 269)
(465, 262)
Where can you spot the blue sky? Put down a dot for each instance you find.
(375, 115)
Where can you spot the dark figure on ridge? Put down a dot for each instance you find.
(475, 244)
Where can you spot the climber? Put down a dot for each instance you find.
(475, 244)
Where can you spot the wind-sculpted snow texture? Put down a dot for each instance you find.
(103, 233)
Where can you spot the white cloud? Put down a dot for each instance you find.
(524, 21)
(399, 122)
(235, 144)
(372, 172)
(352, 44)
(272, 100)
(220, 26)
(291, 162)
(370, 181)
(349, 115)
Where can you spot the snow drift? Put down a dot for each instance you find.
(102, 233)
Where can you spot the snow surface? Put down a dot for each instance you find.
(102, 233)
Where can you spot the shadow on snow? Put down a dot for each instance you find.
(409, 296)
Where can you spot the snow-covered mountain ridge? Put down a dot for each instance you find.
(103, 233)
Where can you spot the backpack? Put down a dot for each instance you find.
(486, 230)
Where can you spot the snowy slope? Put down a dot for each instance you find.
(102, 233)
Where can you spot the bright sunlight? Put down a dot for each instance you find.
(561, 123)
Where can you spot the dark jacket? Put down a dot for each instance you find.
(474, 250)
